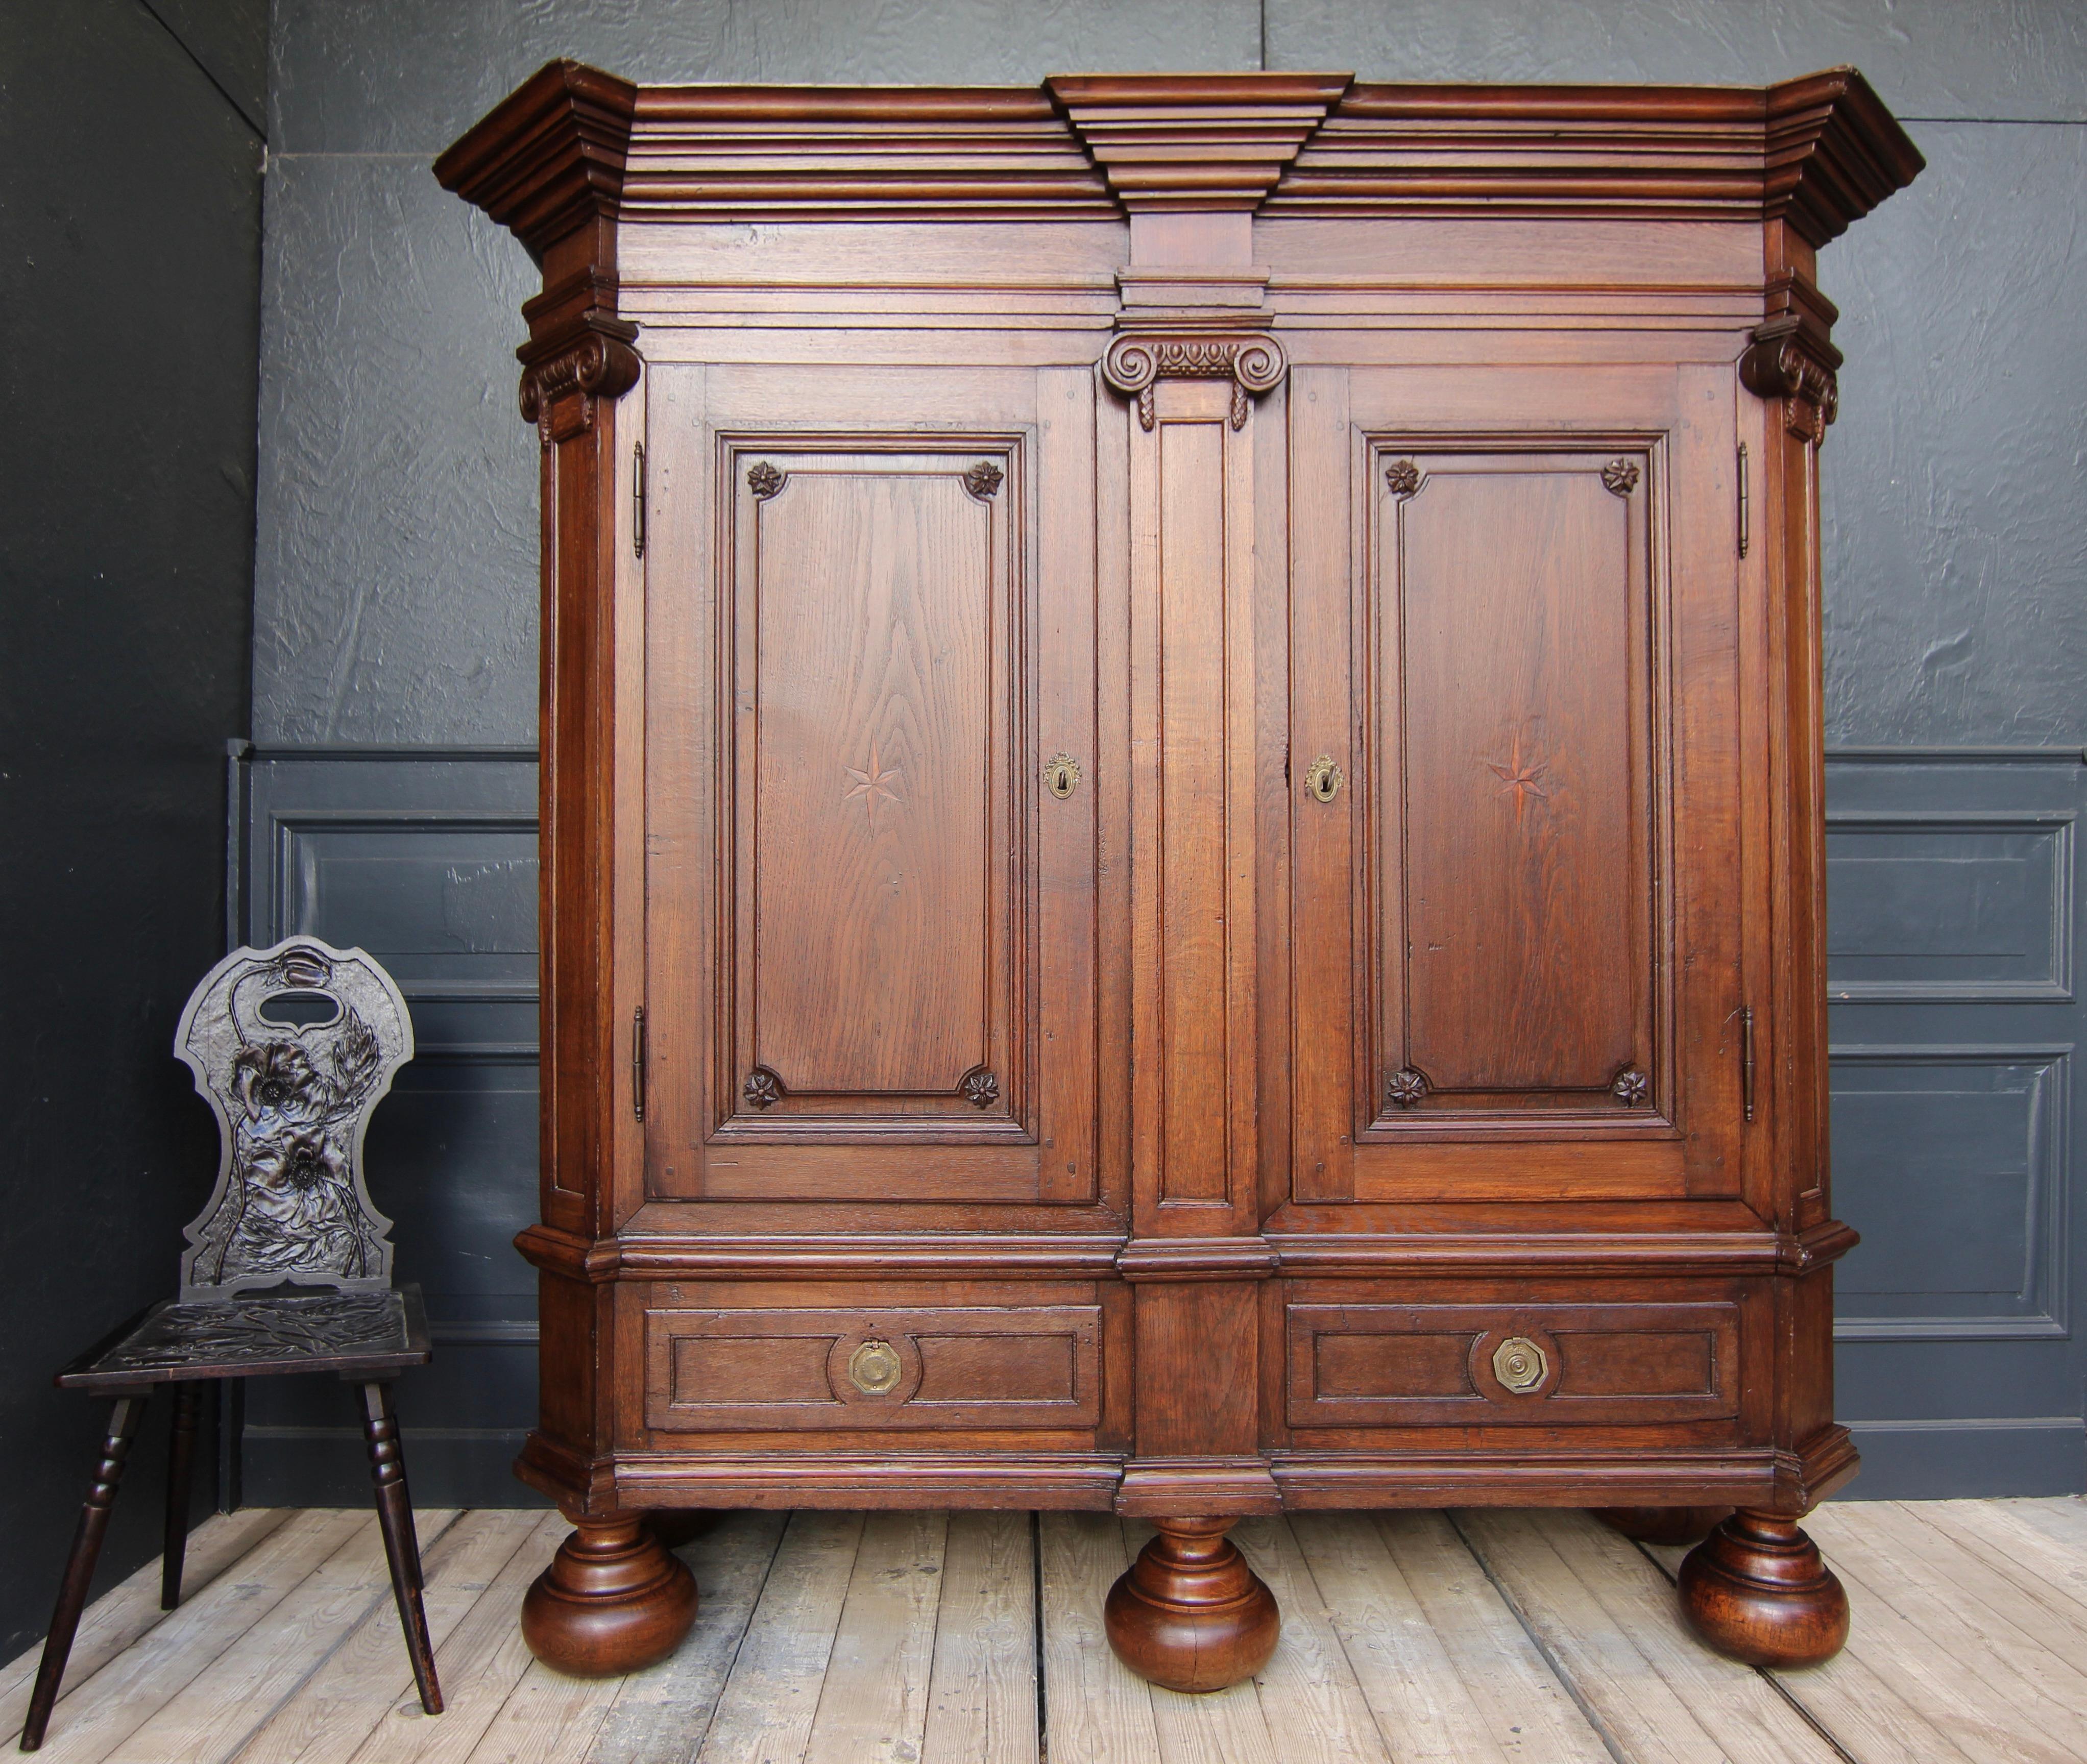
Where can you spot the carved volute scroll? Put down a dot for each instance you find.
(1792, 357)
(562, 379)
(1136, 360)
(292, 1047)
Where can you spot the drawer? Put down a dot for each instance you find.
(1359, 1365)
(901, 1368)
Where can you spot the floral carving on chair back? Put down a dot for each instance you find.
(292, 1047)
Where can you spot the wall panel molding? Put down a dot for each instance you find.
(426, 857)
(1944, 1232)
(1953, 912)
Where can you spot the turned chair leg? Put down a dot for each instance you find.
(181, 1464)
(402, 1543)
(79, 1566)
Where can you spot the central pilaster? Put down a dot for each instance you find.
(1201, 378)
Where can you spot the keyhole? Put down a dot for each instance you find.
(1061, 776)
(1323, 779)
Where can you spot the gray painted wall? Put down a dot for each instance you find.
(395, 584)
(395, 580)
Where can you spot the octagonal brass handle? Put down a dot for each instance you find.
(876, 1369)
(1520, 1365)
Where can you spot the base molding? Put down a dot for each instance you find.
(1759, 1477)
(883, 1480)
(1941, 1460)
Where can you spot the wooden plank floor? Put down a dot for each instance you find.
(912, 1638)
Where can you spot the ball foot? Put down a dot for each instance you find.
(1662, 1525)
(1189, 1614)
(611, 1602)
(1756, 1589)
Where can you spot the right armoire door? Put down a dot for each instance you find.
(1517, 673)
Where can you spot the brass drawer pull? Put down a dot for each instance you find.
(1520, 1364)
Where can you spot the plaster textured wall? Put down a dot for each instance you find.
(395, 594)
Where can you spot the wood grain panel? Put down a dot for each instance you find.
(874, 658)
(1192, 805)
(1514, 869)
(874, 690)
(954, 1367)
(1363, 1365)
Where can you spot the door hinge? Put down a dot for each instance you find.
(1746, 1059)
(638, 502)
(1742, 499)
(637, 1065)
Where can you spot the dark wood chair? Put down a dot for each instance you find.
(292, 1046)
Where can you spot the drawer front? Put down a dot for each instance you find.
(922, 1367)
(1541, 1364)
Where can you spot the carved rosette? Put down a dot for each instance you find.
(561, 382)
(1406, 1088)
(1137, 361)
(1402, 477)
(1620, 477)
(1792, 358)
(982, 480)
(762, 1088)
(979, 1088)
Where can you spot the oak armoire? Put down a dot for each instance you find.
(1181, 821)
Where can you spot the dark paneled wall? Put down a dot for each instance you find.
(396, 596)
(430, 864)
(1953, 915)
(130, 206)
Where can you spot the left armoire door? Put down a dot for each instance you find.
(870, 656)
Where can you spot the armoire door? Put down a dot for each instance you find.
(870, 730)
(1517, 903)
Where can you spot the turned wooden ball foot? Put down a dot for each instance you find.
(1662, 1525)
(1189, 1613)
(1756, 1589)
(611, 1602)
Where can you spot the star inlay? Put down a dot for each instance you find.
(1523, 777)
(872, 784)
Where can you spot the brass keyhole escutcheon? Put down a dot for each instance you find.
(1520, 1365)
(875, 1368)
(1323, 779)
(1061, 775)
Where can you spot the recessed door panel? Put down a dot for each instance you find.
(875, 900)
(1511, 868)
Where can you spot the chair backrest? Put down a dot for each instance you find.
(292, 1047)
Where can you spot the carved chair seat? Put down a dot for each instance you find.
(292, 1093)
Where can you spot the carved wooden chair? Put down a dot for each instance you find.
(292, 1047)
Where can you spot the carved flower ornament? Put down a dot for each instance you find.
(275, 1078)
